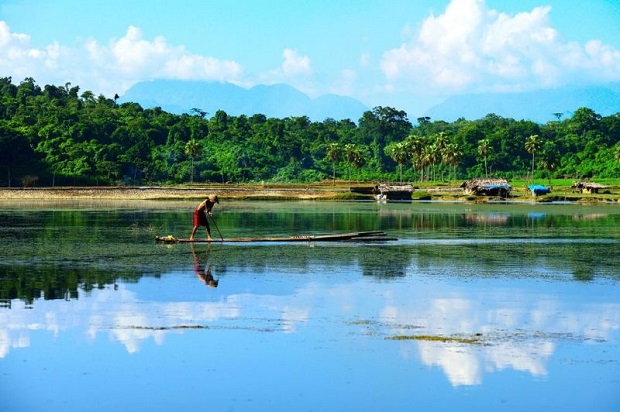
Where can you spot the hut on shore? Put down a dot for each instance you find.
(487, 187)
(383, 191)
(588, 187)
(392, 192)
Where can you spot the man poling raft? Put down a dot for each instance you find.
(200, 215)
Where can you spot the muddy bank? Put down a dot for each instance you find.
(158, 193)
(262, 192)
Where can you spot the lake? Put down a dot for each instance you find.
(504, 307)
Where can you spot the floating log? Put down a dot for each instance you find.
(372, 236)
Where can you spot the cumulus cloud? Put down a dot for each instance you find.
(295, 69)
(471, 48)
(112, 67)
(294, 64)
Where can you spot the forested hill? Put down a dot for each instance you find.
(279, 100)
(60, 135)
(539, 106)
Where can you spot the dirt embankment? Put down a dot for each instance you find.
(265, 192)
(158, 193)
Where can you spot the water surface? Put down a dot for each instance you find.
(500, 306)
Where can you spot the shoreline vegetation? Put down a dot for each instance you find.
(560, 192)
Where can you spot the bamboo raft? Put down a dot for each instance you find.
(372, 236)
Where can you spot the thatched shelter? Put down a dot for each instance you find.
(385, 191)
(588, 187)
(393, 192)
(487, 187)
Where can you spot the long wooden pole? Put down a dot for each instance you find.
(218, 229)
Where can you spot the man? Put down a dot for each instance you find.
(200, 215)
(205, 276)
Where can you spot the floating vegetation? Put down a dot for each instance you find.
(362, 322)
(136, 228)
(165, 327)
(473, 340)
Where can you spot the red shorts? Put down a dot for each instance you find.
(200, 218)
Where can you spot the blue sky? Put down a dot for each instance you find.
(405, 54)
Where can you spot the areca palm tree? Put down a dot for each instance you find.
(334, 153)
(193, 149)
(532, 145)
(430, 156)
(414, 148)
(484, 149)
(451, 155)
(441, 142)
(354, 155)
(399, 153)
(350, 153)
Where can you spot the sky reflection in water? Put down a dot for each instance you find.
(323, 328)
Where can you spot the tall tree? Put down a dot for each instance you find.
(452, 155)
(398, 153)
(484, 149)
(334, 153)
(532, 145)
(193, 149)
(617, 153)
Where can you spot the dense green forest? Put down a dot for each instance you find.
(57, 135)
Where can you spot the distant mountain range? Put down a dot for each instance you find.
(279, 101)
(539, 106)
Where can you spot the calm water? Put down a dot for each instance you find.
(474, 307)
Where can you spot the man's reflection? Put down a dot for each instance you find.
(203, 274)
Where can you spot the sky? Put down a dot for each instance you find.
(407, 54)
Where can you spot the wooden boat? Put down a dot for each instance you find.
(372, 236)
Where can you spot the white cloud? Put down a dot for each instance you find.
(109, 68)
(295, 70)
(295, 65)
(470, 48)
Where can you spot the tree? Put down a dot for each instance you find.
(354, 155)
(398, 153)
(549, 159)
(532, 145)
(617, 153)
(414, 148)
(380, 127)
(193, 149)
(451, 155)
(334, 153)
(484, 149)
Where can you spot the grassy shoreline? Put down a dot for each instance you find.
(561, 192)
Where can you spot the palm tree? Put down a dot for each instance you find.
(193, 149)
(429, 157)
(354, 156)
(532, 145)
(359, 160)
(334, 153)
(414, 148)
(350, 152)
(451, 155)
(484, 149)
(441, 142)
(399, 153)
